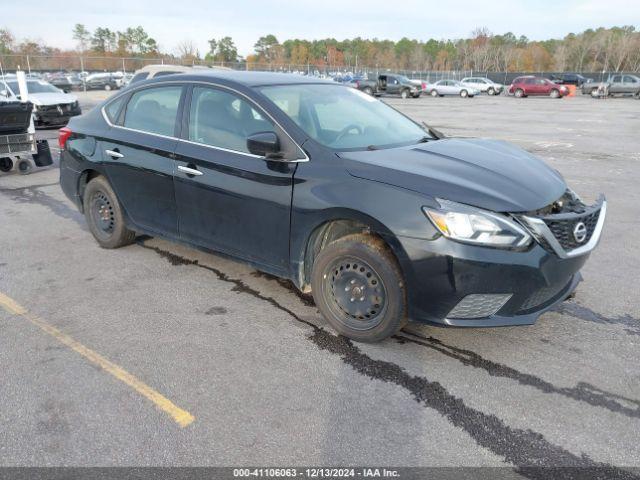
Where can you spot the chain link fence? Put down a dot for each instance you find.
(93, 64)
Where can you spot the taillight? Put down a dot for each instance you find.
(63, 135)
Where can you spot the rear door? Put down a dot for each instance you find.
(630, 84)
(616, 84)
(137, 154)
(228, 199)
(392, 84)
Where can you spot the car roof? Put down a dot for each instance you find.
(246, 78)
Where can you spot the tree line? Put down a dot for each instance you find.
(594, 50)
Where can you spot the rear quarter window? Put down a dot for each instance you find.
(112, 109)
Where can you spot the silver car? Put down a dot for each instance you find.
(484, 84)
(451, 87)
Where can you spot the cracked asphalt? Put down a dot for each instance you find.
(266, 379)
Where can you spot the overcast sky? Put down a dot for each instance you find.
(172, 21)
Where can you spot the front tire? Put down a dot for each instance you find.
(107, 87)
(368, 91)
(104, 215)
(434, 93)
(464, 93)
(404, 93)
(519, 93)
(491, 91)
(554, 93)
(358, 288)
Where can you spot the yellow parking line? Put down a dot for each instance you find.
(182, 417)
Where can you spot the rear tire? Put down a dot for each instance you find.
(464, 93)
(358, 288)
(107, 87)
(404, 93)
(104, 215)
(554, 93)
(491, 91)
(434, 93)
(24, 167)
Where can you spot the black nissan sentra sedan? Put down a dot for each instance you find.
(382, 219)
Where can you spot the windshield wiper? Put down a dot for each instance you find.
(437, 134)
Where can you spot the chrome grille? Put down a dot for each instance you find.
(555, 232)
(563, 229)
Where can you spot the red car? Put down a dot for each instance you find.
(530, 85)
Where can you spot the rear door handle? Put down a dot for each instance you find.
(189, 171)
(114, 153)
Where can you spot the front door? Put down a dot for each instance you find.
(228, 199)
(137, 154)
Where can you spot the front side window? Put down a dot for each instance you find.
(154, 110)
(224, 120)
(343, 118)
(617, 79)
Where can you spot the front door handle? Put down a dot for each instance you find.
(189, 171)
(114, 153)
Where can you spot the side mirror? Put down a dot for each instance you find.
(265, 144)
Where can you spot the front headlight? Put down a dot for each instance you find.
(479, 227)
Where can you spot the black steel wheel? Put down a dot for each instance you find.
(104, 215)
(358, 287)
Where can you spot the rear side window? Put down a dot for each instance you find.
(113, 109)
(154, 110)
(224, 120)
(138, 77)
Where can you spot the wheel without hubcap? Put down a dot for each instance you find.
(104, 215)
(358, 287)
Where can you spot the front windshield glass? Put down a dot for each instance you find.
(344, 118)
(34, 87)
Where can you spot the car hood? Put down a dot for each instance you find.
(489, 174)
(52, 98)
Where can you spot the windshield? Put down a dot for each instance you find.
(33, 87)
(344, 118)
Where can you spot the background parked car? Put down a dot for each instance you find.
(531, 85)
(484, 84)
(390, 84)
(617, 84)
(570, 79)
(451, 87)
(101, 81)
(65, 82)
(51, 106)
(151, 71)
